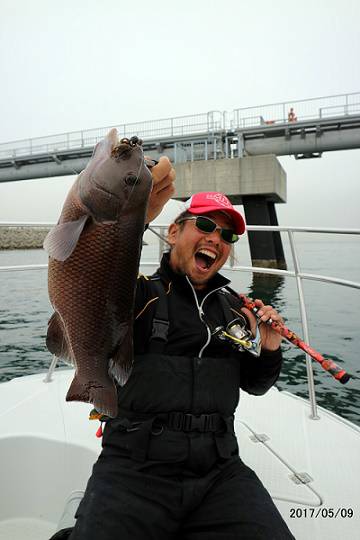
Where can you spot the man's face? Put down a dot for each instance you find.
(197, 254)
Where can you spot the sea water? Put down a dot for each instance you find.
(333, 314)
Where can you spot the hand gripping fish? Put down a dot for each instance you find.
(94, 253)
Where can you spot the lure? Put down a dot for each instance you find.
(330, 366)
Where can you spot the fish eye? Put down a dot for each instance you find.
(131, 180)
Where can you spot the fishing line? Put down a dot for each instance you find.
(137, 176)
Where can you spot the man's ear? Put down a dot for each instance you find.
(172, 233)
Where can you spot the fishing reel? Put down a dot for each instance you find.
(238, 334)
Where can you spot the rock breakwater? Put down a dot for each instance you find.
(22, 237)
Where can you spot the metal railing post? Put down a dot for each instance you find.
(310, 375)
(48, 377)
(224, 120)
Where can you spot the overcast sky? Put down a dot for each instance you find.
(81, 64)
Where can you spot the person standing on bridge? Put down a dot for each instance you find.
(170, 465)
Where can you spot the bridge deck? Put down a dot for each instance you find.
(301, 128)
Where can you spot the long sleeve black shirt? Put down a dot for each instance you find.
(188, 333)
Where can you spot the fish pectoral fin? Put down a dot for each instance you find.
(61, 241)
(102, 396)
(122, 360)
(56, 341)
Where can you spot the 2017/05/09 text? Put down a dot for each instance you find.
(321, 512)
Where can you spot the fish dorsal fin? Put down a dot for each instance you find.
(61, 241)
(56, 341)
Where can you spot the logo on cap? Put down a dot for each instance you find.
(220, 199)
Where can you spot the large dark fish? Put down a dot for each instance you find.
(94, 254)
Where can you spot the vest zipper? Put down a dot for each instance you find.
(201, 314)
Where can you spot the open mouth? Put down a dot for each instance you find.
(204, 259)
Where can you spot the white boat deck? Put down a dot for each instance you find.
(48, 446)
(326, 450)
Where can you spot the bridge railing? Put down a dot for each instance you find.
(180, 126)
(206, 124)
(293, 111)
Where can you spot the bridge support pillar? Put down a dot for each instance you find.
(266, 248)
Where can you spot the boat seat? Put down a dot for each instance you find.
(68, 516)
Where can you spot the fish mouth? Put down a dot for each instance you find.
(204, 259)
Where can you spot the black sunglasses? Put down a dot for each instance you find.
(207, 225)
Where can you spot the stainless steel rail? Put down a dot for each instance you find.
(296, 273)
(297, 110)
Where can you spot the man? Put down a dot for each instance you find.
(170, 468)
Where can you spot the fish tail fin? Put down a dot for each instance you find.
(78, 391)
(104, 398)
(121, 363)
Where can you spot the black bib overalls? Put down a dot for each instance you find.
(170, 468)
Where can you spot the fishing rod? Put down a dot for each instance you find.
(328, 365)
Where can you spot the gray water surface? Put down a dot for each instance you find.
(333, 316)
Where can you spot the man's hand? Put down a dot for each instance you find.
(270, 339)
(163, 187)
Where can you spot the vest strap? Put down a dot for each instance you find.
(160, 324)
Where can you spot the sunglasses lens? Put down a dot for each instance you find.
(229, 236)
(205, 224)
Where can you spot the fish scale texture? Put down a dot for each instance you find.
(93, 293)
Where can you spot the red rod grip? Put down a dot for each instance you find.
(328, 365)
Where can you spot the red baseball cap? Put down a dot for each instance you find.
(212, 201)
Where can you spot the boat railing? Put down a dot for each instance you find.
(300, 277)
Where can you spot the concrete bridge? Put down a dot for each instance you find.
(234, 152)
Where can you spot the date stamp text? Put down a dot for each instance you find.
(321, 512)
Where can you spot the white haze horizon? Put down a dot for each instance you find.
(70, 66)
